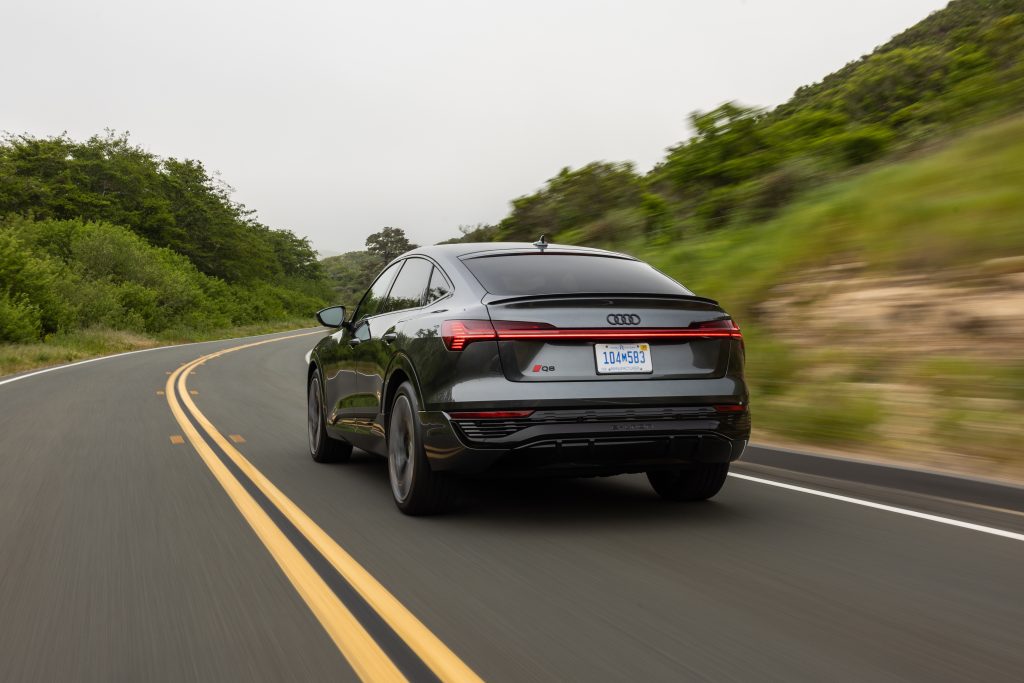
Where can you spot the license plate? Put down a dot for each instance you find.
(623, 358)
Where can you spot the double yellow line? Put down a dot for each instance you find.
(363, 653)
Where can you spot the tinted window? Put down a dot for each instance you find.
(374, 297)
(438, 286)
(410, 286)
(524, 274)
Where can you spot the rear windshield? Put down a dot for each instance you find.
(527, 274)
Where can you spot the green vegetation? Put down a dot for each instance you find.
(168, 202)
(102, 235)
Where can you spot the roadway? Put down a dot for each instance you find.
(162, 520)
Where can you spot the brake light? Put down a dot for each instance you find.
(456, 334)
(725, 328)
(525, 331)
(491, 415)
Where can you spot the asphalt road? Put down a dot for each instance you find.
(127, 557)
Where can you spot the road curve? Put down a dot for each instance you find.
(137, 545)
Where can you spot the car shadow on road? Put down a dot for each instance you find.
(624, 499)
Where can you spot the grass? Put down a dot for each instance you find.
(831, 414)
(90, 343)
(953, 376)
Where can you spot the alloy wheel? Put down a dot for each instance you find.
(401, 449)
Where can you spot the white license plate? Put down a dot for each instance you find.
(622, 358)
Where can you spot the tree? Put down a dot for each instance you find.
(388, 243)
(572, 199)
(174, 203)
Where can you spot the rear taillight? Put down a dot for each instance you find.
(720, 328)
(457, 333)
(730, 408)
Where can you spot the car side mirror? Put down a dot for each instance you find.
(333, 316)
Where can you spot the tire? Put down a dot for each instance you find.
(416, 488)
(321, 446)
(699, 483)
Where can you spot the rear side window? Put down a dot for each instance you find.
(410, 286)
(528, 274)
(438, 286)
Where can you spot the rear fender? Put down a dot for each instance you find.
(400, 363)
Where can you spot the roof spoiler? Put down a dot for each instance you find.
(505, 299)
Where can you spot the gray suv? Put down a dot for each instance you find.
(507, 359)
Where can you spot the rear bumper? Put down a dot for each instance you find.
(585, 441)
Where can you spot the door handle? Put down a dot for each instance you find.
(389, 337)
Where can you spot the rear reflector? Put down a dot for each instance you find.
(730, 408)
(457, 333)
(491, 415)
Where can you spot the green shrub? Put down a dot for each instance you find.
(75, 274)
(19, 320)
(831, 414)
(34, 278)
(618, 225)
(772, 365)
(861, 144)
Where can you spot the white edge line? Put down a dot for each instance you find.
(129, 353)
(887, 508)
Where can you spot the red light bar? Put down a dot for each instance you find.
(491, 415)
(710, 329)
(730, 408)
(457, 333)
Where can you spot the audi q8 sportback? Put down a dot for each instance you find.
(508, 358)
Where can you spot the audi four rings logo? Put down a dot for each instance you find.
(623, 319)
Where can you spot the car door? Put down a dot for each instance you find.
(403, 301)
(350, 383)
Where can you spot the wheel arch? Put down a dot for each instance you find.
(401, 370)
(314, 366)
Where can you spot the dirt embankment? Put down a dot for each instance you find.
(924, 369)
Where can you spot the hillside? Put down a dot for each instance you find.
(105, 246)
(896, 296)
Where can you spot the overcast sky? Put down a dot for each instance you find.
(336, 118)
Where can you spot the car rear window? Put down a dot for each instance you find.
(527, 274)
